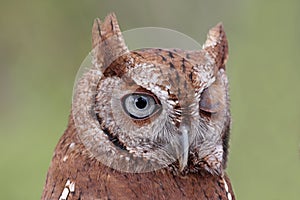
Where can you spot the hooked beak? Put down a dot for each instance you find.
(182, 149)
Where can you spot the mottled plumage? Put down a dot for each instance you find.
(146, 124)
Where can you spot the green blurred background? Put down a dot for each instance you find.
(42, 44)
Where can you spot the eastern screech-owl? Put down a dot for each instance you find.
(146, 124)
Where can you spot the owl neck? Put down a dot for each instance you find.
(75, 175)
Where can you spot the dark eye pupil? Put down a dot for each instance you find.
(141, 102)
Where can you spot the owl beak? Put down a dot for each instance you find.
(183, 148)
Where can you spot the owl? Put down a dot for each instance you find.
(151, 123)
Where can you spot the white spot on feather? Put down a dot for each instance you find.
(69, 187)
(65, 158)
(227, 190)
(72, 145)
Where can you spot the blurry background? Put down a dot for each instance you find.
(42, 44)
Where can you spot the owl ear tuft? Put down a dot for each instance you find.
(107, 40)
(216, 45)
(102, 31)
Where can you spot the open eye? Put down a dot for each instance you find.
(140, 106)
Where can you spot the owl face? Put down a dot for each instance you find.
(143, 110)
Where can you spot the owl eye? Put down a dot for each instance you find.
(140, 106)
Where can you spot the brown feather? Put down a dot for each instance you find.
(93, 180)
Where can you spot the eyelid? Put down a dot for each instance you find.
(142, 93)
(147, 94)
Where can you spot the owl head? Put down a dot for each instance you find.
(154, 108)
